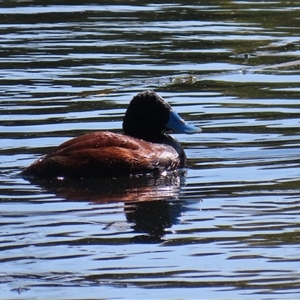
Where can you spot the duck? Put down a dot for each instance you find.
(145, 147)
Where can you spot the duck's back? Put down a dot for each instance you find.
(103, 153)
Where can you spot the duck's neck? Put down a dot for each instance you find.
(171, 141)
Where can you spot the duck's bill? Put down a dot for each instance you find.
(177, 124)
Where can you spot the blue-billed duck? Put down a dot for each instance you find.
(145, 147)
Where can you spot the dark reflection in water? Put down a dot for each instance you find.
(152, 219)
(119, 189)
(147, 200)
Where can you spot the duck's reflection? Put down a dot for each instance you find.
(152, 219)
(150, 202)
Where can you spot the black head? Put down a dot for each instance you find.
(146, 116)
(149, 115)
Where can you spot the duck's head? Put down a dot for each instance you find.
(148, 116)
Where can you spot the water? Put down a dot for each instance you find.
(226, 229)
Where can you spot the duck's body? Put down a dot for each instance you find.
(101, 154)
(143, 148)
